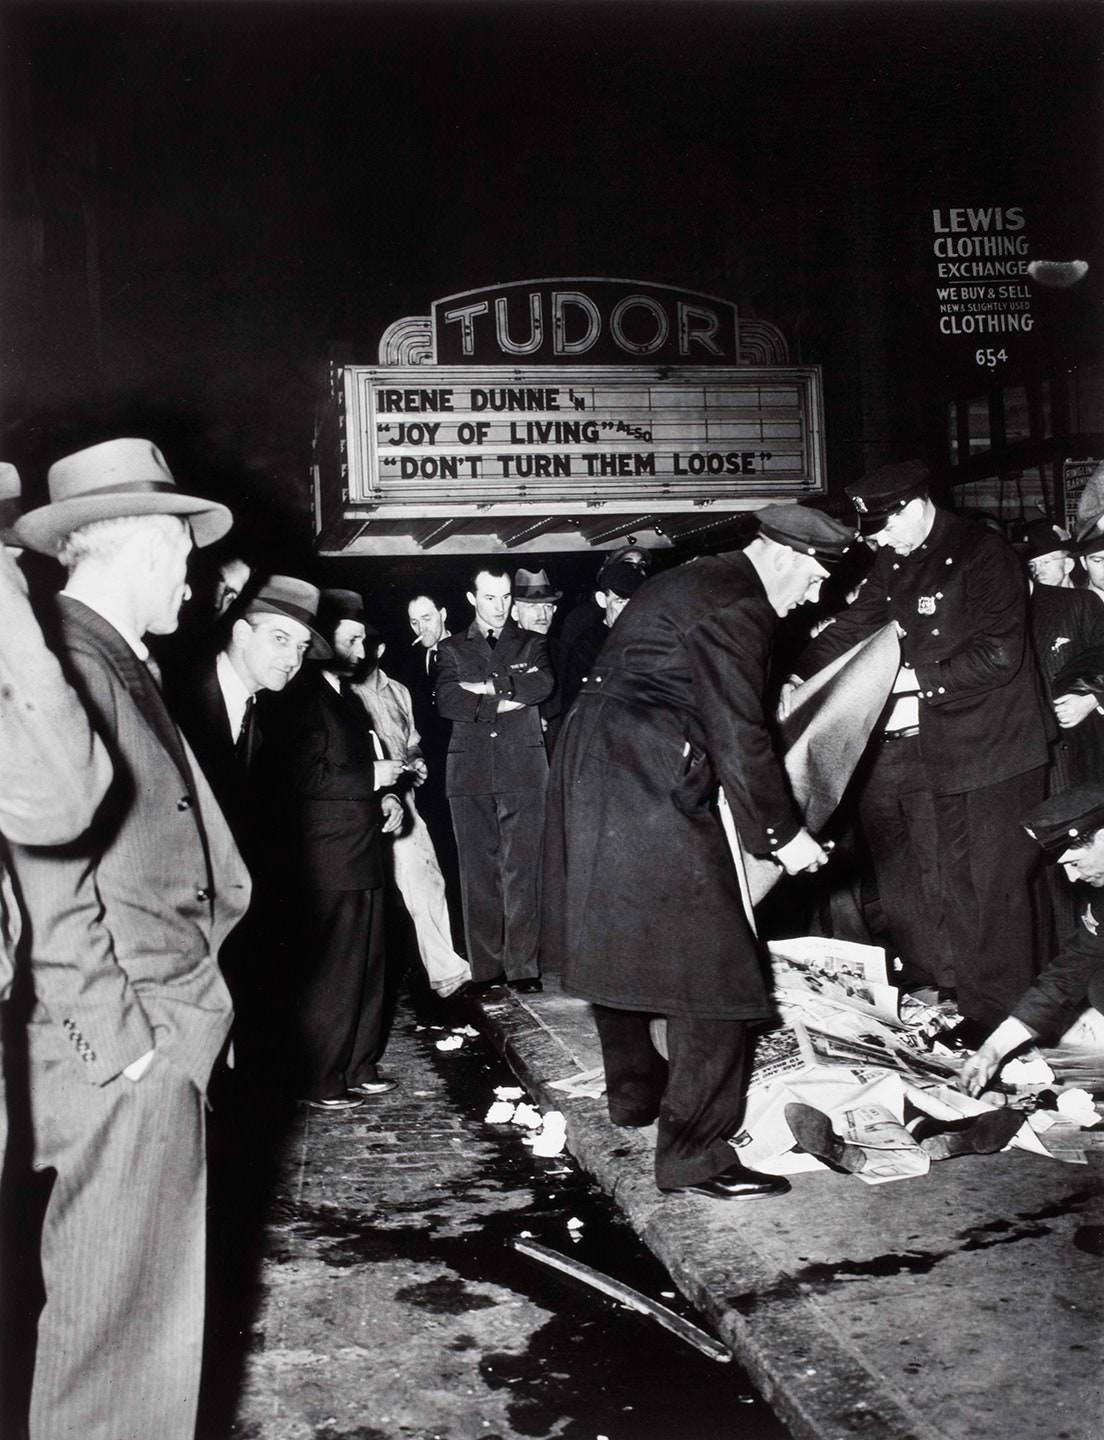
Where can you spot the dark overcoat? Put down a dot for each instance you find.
(642, 906)
(317, 766)
(494, 752)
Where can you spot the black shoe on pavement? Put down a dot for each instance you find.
(812, 1130)
(480, 987)
(736, 1183)
(526, 987)
(336, 1103)
(379, 1086)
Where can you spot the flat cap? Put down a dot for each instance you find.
(886, 490)
(1069, 818)
(622, 577)
(801, 528)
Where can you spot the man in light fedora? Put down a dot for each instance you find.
(130, 1010)
(534, 609)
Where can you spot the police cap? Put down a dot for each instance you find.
(1070, 818)
(809, 531)
(886, 490)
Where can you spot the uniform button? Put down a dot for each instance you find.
(896, 566)
(184, 803)
(929, 693)
(203, 895)
(494, 734)
(948, 561)
(939, 594)
(935, 632)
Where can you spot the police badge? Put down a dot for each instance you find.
(925, 605)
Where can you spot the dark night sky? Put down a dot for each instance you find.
(269, 178)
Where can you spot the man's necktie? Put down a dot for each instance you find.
(492, 639)
(243, 746)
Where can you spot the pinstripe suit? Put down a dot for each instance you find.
(124, 928)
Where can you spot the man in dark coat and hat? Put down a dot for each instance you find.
(643, 904)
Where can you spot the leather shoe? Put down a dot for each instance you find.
(982, 1134)
(379, 1086)
(480, 987)
(736, 1183)
(812, 1130)
(526, 987)
(337, 1103)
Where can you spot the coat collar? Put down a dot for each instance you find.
(80, 619)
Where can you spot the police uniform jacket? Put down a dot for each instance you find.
(1072, 980)
(492, 752)
(642, 906)
(960, 599)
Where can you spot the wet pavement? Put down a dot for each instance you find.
(364, 1284)
(967, 1304)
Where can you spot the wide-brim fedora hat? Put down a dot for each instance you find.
(534, 587)
(111, 481)
(295, 600)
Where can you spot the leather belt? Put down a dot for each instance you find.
(906, 734)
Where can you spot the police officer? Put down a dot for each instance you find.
(642, 905)
(977, 746)
(1070, 829)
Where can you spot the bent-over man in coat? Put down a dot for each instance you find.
(131, 1011)
(643, 905)
(490, 682)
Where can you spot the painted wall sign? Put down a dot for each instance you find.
(591, 321)
(979, 258)
(577, 438)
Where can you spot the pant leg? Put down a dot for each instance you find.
(475, 821)
(336, 930)
(897, 813)
(368, 1031)
(704, 1100)
(422, 886)
(120, 1337)
(521, 827)
(636, 1073)
(989, 860)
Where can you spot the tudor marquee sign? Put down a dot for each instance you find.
(592, 435)
(564, 397)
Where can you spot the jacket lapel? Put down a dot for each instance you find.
(77, 618)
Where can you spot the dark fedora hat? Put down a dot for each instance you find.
(110, 481)
(294, 599)
(534, 586)
(1043, 537)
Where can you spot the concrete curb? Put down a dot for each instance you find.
(812, 1377)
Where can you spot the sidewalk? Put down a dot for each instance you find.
(965, 1305)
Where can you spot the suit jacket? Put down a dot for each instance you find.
(196, 702)
(54, 769)
(317, 767)
(961, 599)
(126, 923)
(493, 753)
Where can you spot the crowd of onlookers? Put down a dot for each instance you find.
(223, 818)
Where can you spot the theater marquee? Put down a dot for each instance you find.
(588, 436)
(561, 414)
